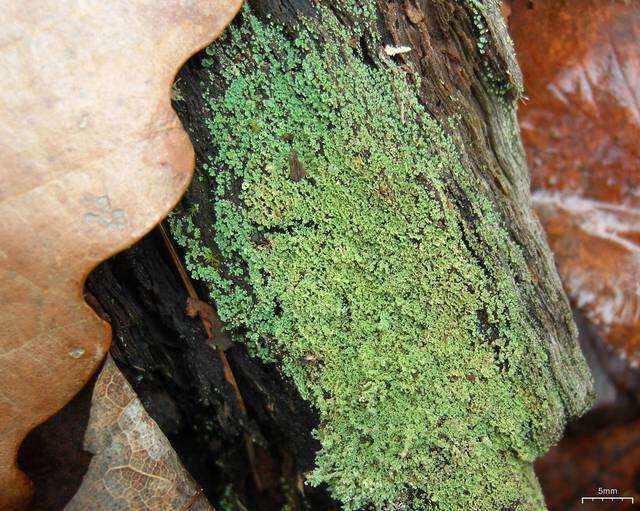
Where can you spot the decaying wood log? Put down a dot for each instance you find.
(360, 219)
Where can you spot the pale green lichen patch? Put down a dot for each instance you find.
(396, 311)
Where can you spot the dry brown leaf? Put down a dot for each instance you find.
(134, 466)
(92, 156)
(580, 127)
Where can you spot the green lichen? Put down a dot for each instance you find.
(498, 80)
(397, 311)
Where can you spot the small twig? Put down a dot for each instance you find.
(228, 373)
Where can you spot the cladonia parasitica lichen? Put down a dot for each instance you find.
(397, 317)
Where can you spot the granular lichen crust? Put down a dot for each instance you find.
(397, 311)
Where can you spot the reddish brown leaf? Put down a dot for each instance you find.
(580, 127)
(92, 157)
(578, 466)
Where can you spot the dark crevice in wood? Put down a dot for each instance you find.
(165, 355)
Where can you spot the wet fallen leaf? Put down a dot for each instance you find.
(92, 156)
(134, 466)
(580, 465)
(580, 127)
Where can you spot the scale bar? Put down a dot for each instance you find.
(612, 499)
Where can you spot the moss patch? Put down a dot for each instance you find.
(397, 310)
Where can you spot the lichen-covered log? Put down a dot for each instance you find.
(362, 221)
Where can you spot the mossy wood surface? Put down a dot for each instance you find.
(362, 223)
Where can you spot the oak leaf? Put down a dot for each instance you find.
(92, 156)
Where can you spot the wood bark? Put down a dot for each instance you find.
(165, 353)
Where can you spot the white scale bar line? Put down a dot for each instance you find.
(583, 499)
